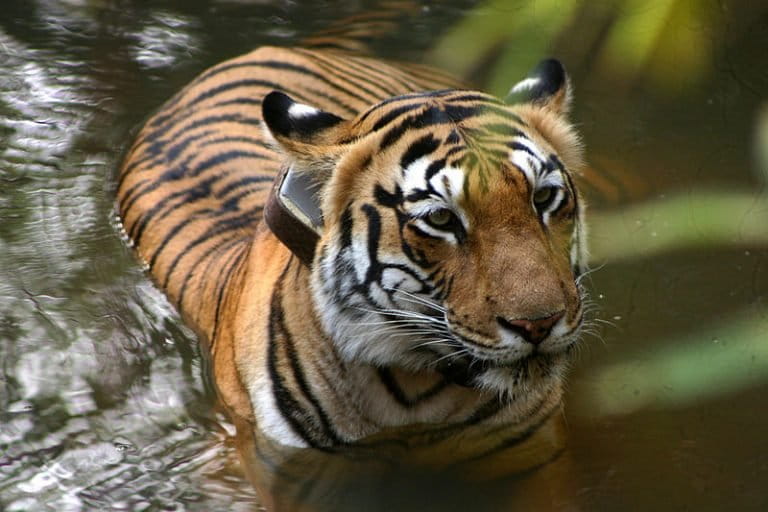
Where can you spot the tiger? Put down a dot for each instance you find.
(423, 274)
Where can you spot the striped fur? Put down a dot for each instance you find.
(443, 292)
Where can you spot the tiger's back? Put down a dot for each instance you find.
(193, 186)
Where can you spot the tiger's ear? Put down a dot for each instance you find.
(546, 85)
(308, 137)
(293, 124)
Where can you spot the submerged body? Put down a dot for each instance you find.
(442, 296)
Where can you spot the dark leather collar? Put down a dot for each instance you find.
(291, 231)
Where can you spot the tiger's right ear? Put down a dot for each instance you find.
(546, 85)
(293, 124)
(308, 137)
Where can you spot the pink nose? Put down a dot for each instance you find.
(533, 331)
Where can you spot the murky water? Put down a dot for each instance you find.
(104, 402)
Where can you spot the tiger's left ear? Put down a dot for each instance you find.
(546, 85)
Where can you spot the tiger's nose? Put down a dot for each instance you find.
(533, 331)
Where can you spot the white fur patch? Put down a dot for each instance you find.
(524, 85)
(414, 175)
(530, 160)
(449, 183)
(298, 110)
(268, 416)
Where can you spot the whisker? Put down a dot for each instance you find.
(455, 354)
(588, 272)
(606, 322)
(400, 312)
(440, 341)
(410, 297)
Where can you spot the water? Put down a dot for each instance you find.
(104, 402)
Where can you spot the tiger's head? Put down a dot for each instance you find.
(452, 235)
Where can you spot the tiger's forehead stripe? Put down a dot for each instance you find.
(540, 169)
(402, 114)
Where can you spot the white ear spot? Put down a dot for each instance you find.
(299, 110)
(525, 85)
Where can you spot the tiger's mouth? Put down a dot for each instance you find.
(466, 370)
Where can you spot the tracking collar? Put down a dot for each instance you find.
(293, 213)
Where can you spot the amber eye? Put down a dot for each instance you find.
(445, 220)
(543, 196)
(440, 218)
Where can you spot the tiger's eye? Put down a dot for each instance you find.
(441, 217)
(543, 195)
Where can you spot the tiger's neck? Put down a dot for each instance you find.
(307, 395)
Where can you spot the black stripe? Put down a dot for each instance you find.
(502, 111)
(473, 97)
(393, 75)
(520, 438)
(126, 205)
(347, 75)
(216, 70)
(501, 130)
(522, 147)
(214, 161)
(182, 170)
(222, 285)
(221, 246)
(298, 373)
(179, 126)
(429, 117)
(201, 190)
(240, 101)
(419, 148)
(134, 162)
(297, 417)
(169, 113)
(388, 199)
(394, 389)
(405, 97)
(374, 232)
(433, 169)
(346, 227)
(423, 233)
(485, 411)
(173, 173)
(289, 408)
(395, 113)
(173, 151)
(232, 203)
(175, 230)
(337, 85)
(217, 229)
(160, 120)
(242, 182)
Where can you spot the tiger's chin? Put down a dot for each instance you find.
(511, 380)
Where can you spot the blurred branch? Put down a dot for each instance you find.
(761, 144)
(686, 222)
(516, 33)
(666, 42)
(715, 361)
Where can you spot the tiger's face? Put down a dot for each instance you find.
(451, 237)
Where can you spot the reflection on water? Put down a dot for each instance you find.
(103, 399)
(393, 471)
